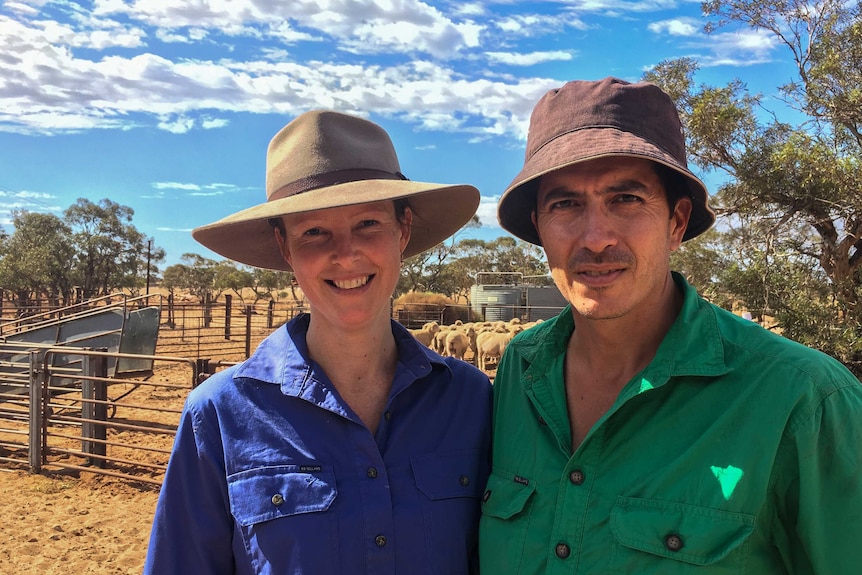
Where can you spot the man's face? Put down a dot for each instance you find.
(608, 232)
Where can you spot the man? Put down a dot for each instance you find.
(644, 430)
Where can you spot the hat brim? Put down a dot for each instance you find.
(247, 236)
(518, 202)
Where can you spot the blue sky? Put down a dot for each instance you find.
(166, 106)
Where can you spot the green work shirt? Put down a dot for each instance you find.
(734, 451)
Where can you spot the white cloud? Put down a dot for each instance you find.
(534, 25)
(27, 195)
(528, 59)
(175, 186)
(487, 211)
(677, 27)
(211, 123)
(183, 230)
(361, 26)
(46, 87)
(25, 8)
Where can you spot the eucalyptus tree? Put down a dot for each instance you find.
(792, 197)
(35, 259)
(111, 252)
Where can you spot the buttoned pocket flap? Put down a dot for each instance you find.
(449, 475)
(266, 493)
(688, 533)
(506, 495)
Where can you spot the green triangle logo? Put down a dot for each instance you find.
(728, 477)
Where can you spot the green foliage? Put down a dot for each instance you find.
(788, 244)
(452, 269)
(110, 251)
(35, 259)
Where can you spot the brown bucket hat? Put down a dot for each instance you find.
(324, 159)
(587, 120)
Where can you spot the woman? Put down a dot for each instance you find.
(341, 445)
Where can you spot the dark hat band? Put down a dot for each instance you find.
(331, 179)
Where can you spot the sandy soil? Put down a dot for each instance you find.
(62, 525)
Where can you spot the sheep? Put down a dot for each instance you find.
(438, 344)
(426, 334)
(492, 344)
(458, 342)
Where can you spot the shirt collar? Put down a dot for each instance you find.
(283, 359)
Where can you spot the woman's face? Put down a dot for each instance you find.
(347, 260)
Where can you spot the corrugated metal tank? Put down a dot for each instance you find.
(543, 302)
(495, 302)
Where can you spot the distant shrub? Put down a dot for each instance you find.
(429, 299)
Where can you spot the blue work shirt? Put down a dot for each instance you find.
(272, 472)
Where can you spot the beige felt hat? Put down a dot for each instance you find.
(324, 159)
(586, 120)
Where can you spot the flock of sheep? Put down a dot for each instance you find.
(486, 340)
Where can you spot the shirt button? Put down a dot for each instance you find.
(277, 499)
(372, 472)
(577, 477)
(464, 481)
(387, 416)
(562, 551)
(486, 496)
(542, 421)
(673, 542)
(380, 540)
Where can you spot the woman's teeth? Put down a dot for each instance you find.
(351, 284)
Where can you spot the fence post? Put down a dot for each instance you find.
(202, 370)
(171, 323)
(247, 331)
(269, 314)
(208, 309)
(36, 414)
(93, 408)
(228, 304)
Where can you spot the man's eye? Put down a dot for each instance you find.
(562, 204)
(313, 232)
(628, 198)
(368, 223)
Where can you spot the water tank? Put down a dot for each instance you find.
(543, 302)
(496, 302)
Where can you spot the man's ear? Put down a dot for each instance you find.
(679, 222)
(536, 225)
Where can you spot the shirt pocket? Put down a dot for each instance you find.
(504, 523)
(655, 536)
(280, 512)
(450, 486)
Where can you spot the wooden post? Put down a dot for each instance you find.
(94, 408)
(171, 323)
(247, 331)
(269, 314)
(228, 303)
(208, 307)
